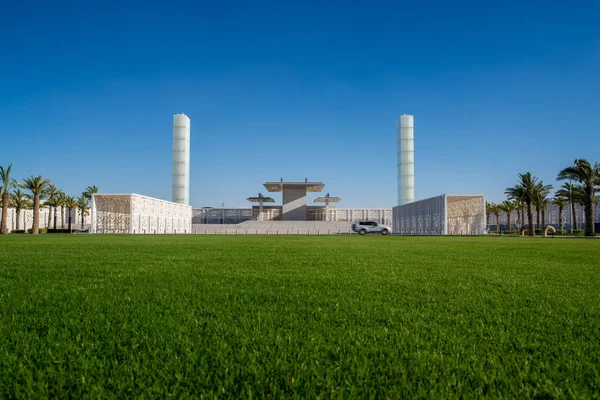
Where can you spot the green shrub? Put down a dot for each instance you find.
(41, 230)
(511, 232)
(58, 231)
(558, 233)
(19, 231)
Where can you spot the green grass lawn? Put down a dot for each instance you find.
(276, 316)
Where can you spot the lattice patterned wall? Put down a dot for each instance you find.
(111, 214)
(454, 215)
(139, 214)
(465, 216)
(424, 217)
(148, 213)
(273, 213)
(225, 215)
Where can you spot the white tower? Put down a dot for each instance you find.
(406, 159)
(181, 159)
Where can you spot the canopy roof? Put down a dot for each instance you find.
(328, 199)
(281, 186)
(259, 199)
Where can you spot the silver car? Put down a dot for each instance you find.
(364, 227)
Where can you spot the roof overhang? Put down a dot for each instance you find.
(328, 199)
(281, 186)
(259, 199)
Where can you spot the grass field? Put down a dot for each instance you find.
(275, 316)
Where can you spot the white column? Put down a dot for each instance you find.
(260, 210)
(406, 160)
(181, 159)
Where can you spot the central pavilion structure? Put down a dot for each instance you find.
(294, 197)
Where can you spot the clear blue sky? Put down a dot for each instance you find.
(298, 89)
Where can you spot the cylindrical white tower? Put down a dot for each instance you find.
(181, 159)
(406, 159)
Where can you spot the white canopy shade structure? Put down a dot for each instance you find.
(327, 199)
(260, 199)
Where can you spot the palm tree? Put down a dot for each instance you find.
(537, 205)
(70, 203)
(527, 190)
(54, 203)
(522, 208)
(488, 211)
(589, 177)
(89, 191)
(37, 185)
(61, 203)
(82, 205)
(542, 201)
(508, 207)
(51, 192)
(496, 210)
(517, 193)
(20, 201)
(574, 194)
(561, 202)
(6, 183)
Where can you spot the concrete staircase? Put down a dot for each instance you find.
(276, 228)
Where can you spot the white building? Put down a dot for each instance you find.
(133, 213)
(442, 215)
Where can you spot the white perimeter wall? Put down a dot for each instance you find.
(133, 213)
(27, 219)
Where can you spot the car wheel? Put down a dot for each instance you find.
(362, 232)
(384, 232)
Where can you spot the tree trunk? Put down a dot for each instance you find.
(62, 217)
(543, 219)
(574, 221)
(55, 216)
(36, 214)
(508, 220)
(522, 215)
(530, 219)
(560, 220)
(49, 217)
(82, 218)
(18, 219)
(69, 220)
(5, 200)
(589, 214)
(537, 211)
(497, 223)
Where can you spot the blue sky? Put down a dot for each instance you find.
(298, 89)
